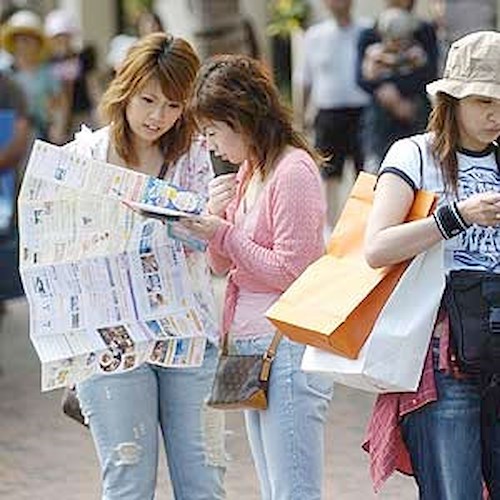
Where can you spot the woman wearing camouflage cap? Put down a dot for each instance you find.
(447, 434)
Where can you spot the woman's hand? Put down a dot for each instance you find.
(481, 208)
(221, 190)
(204, 226)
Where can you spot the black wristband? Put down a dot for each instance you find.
(439, 226)
(449, 221)
(459, 217)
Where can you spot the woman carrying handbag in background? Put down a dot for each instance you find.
(447, 434)
(265, 227)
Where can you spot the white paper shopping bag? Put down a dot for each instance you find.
(393, 356)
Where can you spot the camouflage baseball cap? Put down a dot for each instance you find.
(472, 67)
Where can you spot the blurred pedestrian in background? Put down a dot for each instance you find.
(328, 77)
(74, 68)
(24, 38)
(399, 105)
(15, 135)
(397, 53)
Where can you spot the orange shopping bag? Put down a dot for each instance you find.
(333, 305)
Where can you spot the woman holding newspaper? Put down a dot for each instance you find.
(150, 133)
(265, 226)
(448, 433)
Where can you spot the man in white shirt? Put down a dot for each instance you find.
(328, 76)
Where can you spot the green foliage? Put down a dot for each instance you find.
(287, 16)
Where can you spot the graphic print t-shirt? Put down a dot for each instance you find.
(477, 248)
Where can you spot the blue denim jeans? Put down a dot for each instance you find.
(450, 449)
(125, 411)
(287, 439)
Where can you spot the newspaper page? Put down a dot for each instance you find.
(108, 289)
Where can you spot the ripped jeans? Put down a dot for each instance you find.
(287, 439)
(125, 411)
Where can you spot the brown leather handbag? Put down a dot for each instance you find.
(242, 380)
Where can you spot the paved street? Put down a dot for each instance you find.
(45, 456)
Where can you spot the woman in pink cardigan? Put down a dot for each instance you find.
(265, 226)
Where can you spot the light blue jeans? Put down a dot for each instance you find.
(287, 439)
(125, 411)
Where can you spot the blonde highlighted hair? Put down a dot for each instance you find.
(173, 63)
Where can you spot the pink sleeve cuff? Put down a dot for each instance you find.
(217, 240)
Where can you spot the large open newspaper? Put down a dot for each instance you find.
(107, 288)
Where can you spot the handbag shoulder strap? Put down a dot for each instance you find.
(269, 356)
(225, 344)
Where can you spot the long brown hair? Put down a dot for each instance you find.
(239, 91)
(443, 125)
(171, 61)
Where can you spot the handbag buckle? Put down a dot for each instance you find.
(267, 356)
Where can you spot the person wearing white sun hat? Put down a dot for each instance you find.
(74, 68)
(447, 434)
(60, 22)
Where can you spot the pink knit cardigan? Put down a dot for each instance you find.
(288, 234)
